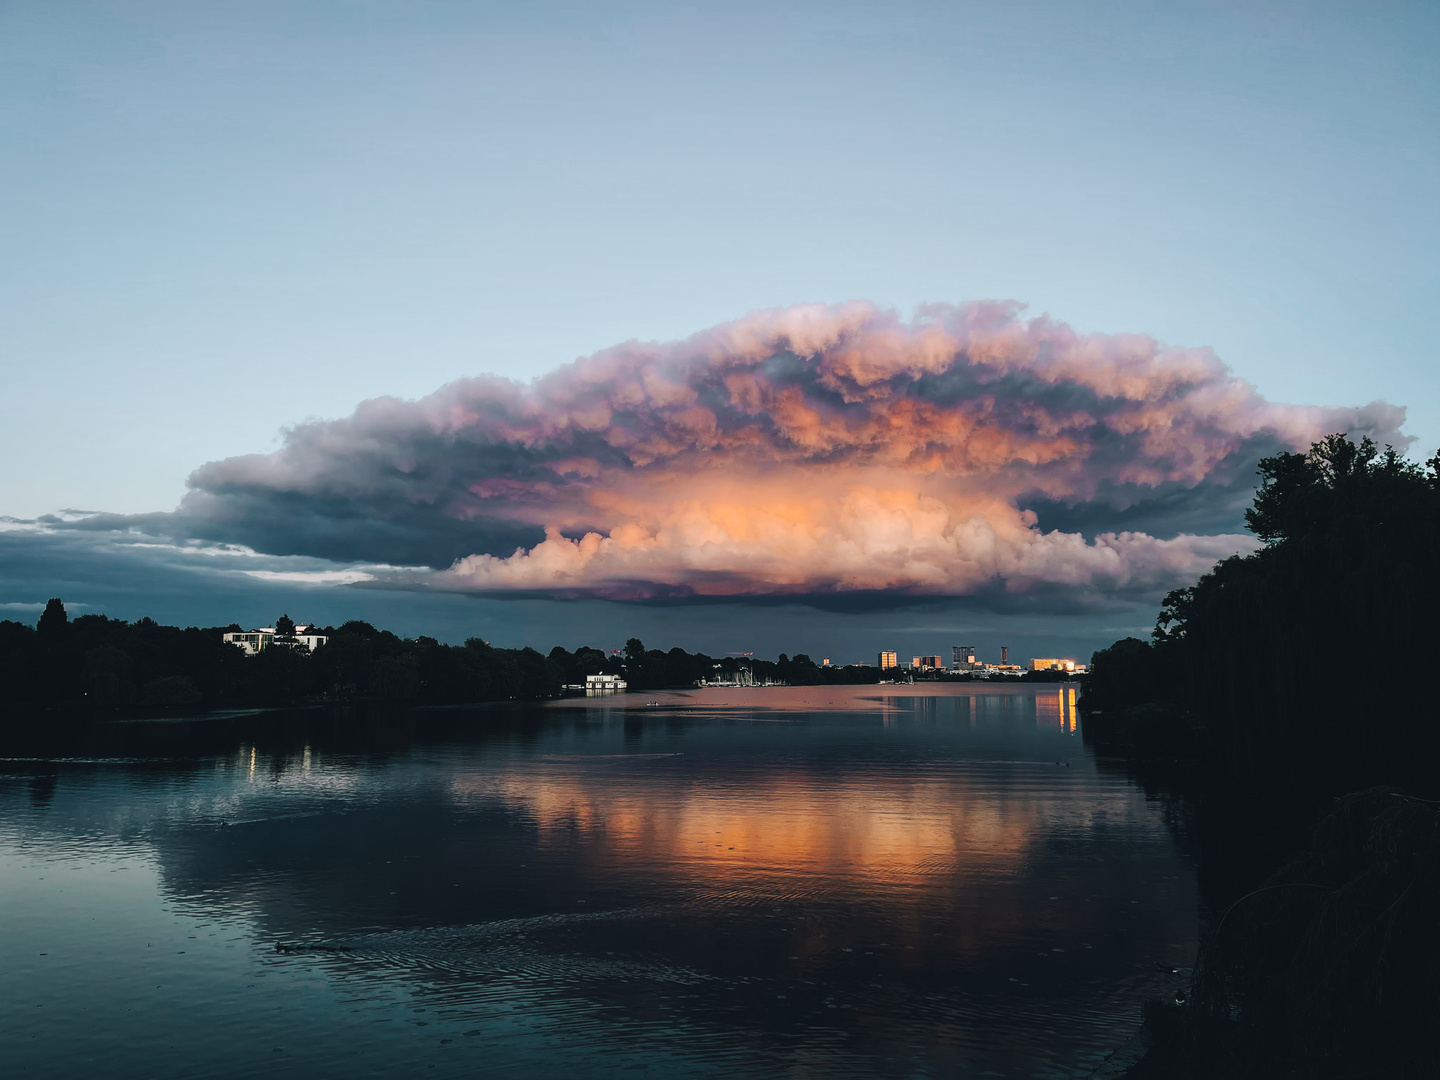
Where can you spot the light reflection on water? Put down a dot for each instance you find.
(780, 882)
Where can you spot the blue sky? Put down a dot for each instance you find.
(220, 220)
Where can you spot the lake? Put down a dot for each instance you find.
(874, 881)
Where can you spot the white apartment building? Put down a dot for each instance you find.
(253, 641)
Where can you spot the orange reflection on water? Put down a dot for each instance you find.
(1057, 707)
(871, 828)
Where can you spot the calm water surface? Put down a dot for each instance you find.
(806, 882)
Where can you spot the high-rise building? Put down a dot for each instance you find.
(1004, 654)
(887, 660)
(964, 656)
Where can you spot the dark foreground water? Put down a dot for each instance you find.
(807, 882)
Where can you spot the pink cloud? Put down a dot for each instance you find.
(803, 450)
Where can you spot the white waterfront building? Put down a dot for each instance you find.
(252, 641)
(604, 684)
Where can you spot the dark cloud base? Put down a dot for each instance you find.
(1040, 601)
(98, 575)
(322, 529)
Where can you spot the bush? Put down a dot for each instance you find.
(170, 690)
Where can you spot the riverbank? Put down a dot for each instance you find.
(1317, 938)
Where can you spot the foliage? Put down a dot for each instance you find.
(97, 664)
(1328, 968)
(53, 620)
(1276, 683)
(94, 663)
(1304, 660)
(651, 669)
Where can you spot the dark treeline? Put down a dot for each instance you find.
(97, 664)
(1306, 662)
(1291, 685)
(652, 669)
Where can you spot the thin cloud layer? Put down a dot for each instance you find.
(805, 451)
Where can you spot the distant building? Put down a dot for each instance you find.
(887, 660)
(604, 684)
(927, 663)
(825, 662)
(964, 657)
(253, 641)
(1047, 664)
(1004, 655)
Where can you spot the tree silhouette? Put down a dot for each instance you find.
(285, 628)
(53, 622)
(1301, 662)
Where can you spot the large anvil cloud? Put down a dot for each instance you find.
(806, 451)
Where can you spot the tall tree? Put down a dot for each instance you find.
(53, 621)
(1303, 660)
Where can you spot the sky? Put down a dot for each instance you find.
(1155, 242)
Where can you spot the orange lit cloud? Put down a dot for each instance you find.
(802, 451)
(769, 542)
